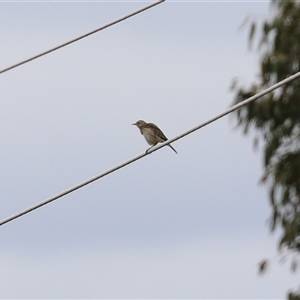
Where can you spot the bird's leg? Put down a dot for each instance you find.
(150, 148)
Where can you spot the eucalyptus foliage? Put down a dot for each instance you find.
(275, 119)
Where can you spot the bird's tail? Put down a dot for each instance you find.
(172, 148)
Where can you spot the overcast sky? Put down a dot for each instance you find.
(192, 225)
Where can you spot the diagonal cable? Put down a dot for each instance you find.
(82, 36)
(226, 112)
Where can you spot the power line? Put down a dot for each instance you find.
(226, 112)
(81, 37)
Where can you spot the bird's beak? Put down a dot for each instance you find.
(133, 124)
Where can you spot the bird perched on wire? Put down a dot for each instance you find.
(152, 134)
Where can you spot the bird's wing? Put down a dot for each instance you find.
(157, 131)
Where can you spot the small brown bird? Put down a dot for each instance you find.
(152, 134)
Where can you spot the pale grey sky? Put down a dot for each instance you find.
(191, 225)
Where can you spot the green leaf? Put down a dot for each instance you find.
(251, 34)
(262, 267)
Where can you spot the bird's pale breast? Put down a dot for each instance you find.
(150, 136)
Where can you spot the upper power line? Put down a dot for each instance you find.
(81, 37)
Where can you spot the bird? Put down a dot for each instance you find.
(152, 134)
